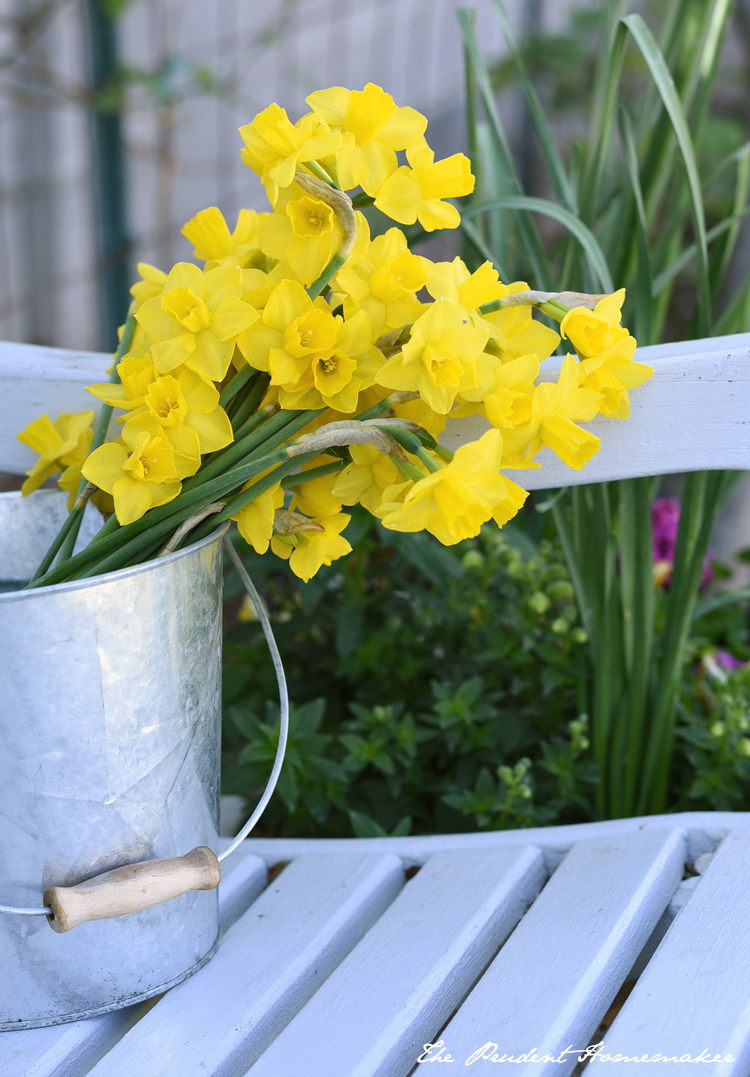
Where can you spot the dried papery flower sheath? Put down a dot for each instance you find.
(301, 368)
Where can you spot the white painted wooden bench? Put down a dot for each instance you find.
(501, 945)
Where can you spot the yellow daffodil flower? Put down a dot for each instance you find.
(453, 503)
(508, 403)
(315, 548)
(514, 332)
(612, 373)
(314, 358)
(187, 409)
(316, 497)
(255, 521)
(139, 471)
(302, 231)
(70, 480)
(136, 372)
(593, 331)
(364, 481)
(274, 146)
(440, 358)
(415, 193)
(421, 414)
(454, 282)
(197, 319)
(372, 128)
(384, 283)
(555, 410)
(216, 245)
(59, 445)
(151, 284)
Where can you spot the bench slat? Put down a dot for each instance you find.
(70, 1050)
(691, 416)
(552, 982)
(694, 995)
(407, 975)
(267, 967)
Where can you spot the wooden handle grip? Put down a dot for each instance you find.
(132, 888)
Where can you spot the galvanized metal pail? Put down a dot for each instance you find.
(109, 754)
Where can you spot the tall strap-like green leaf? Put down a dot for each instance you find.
(532, 242)
(593, 252)
(474, 236)
(593, 178)
(552, 159)
(643, 283)
(665, 85)
(729, 224)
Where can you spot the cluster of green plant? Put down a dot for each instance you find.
(629, 202)
(434, 688)
(713, 764)
(444, 690)
(653, 196)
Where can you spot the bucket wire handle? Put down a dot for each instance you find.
(283, 698)
(48, 911)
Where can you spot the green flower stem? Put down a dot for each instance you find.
(330, 271)
(442, 452)
(362, 200)
(249, 404)
(112, 524)
(375, 410)
(255, 420)
(553, 309)
(240, 379)
(320, 172)
(74, 515)
(409, 471)
(290, 481)
(341, 205)
(429, 463)
(274, 430)
(65, 543)
(246, 497)
(413, 445)
(190, 499)
(203, 495)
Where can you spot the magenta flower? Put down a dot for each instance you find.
(665, 519)
(727, 661)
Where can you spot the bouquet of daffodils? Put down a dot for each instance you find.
(306, 366)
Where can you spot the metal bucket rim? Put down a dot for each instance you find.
(109, 577)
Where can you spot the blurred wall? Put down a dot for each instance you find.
(194, 71)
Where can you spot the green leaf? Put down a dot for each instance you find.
(665, 85)
(533, 244)
(552, 158)
(473, 235)
(687, 255)
(708, 605)
(591, 249)
(426, 555)
(643, 283)
(365, 827)
(603, 116)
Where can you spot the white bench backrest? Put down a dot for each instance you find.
(694, 414)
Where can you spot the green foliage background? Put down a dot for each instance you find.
(441, 690)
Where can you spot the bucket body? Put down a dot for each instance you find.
(109, 755)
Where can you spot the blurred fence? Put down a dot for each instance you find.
(187, 75)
